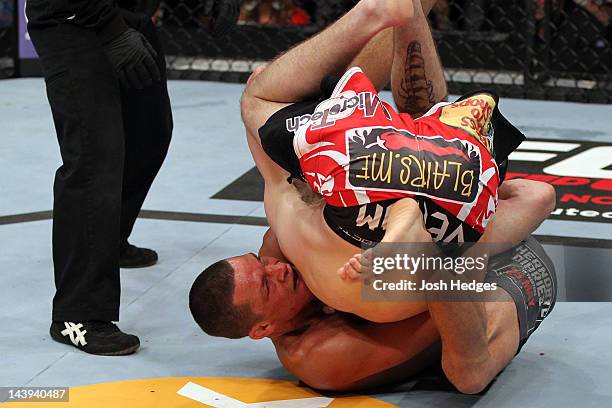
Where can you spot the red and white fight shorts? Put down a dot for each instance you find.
(361, 155)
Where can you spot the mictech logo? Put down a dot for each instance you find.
(200, 392)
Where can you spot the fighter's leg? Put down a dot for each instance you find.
(297, 74)
(376, 58)
(417, 79)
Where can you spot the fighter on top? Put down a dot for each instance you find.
(362, 156)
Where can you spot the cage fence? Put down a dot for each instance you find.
(541, 49)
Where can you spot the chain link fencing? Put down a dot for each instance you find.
(541, 49)
(8, 39)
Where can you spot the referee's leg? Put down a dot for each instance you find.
(148, 130)
(85, 102)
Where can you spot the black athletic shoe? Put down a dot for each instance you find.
(95, 337)
(131, 256)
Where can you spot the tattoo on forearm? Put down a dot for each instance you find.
(416, 93)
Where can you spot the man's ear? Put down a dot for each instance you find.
(261, 330)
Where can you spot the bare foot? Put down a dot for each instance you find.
(352, 269)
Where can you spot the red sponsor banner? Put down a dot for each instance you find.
(581, 173)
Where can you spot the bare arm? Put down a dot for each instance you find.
(376, 59)
(523, 206)
(478, 340)
(270, 247)
(465, 353)
(297, 74)
(335, 354)
(472, 358)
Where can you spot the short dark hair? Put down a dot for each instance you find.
(212, 305)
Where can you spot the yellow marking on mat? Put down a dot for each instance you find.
(162, 393)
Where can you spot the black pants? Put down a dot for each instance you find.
(113, 142)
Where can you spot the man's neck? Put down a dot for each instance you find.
(314, 311)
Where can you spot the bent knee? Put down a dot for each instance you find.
(258, 70)
(247, 105)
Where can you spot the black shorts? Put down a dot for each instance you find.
(528, 275)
